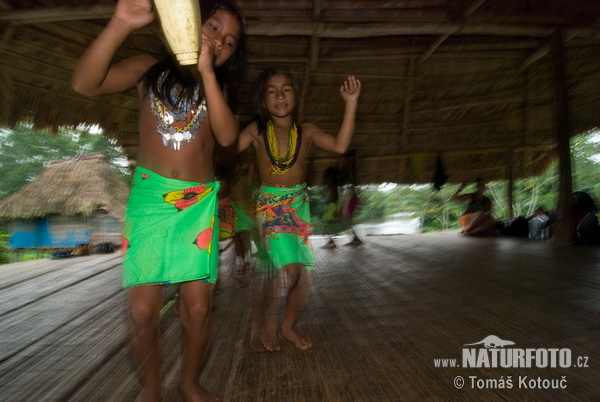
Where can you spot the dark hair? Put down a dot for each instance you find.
(261, 113)
(331, 174)
(228, 75)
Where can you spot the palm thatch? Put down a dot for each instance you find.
(69, 187)
(476, 81)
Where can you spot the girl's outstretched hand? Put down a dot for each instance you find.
(134, 13)
(350, 89)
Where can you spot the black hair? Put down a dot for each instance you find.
(330, 175)
(228, 75)
(261, 113)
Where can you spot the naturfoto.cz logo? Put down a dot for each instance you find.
(494, 352)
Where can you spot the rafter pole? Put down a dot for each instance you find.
(541, 52)
(473, 7)
(304, 91)
(438, 42)
(313, 61)
(314, 39)
(314, 53)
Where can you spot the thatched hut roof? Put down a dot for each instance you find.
(475, 81)
(73, 186)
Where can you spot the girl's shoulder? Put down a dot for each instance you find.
(251, 129)
(310, 132)
(307, 127)
(141, 63)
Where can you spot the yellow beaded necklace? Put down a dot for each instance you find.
(280, 164)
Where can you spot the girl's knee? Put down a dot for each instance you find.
(144, 315)
(194, 315)
(295, 273)
(144, 306)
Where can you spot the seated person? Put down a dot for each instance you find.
(584, 226)
(477, 220)
(539, 224)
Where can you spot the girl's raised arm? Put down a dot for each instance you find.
(94, 74)
(245, 138)
(350, 91)
(222, 121)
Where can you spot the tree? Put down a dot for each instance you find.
(24, 150)
(586, 163)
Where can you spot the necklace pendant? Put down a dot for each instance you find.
(168, 118)
(178, 137)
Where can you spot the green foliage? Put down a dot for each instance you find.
(585, 161)
(318, 202)
(24, 150)
(437, 212)
(372, 206)
(5, 256)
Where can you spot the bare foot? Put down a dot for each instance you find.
(268, 338)
(255, 342)
(299, 341)
(197, 393)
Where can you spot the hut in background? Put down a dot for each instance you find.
(73, 201)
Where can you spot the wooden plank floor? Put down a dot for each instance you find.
(380, 315)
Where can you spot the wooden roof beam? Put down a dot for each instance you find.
(458, 152)
(365, 30)
(322, 30)
(55, 14)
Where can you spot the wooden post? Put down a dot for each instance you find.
(511, 184)
(560, 231)
(408, 94)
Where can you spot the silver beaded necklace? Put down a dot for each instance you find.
(170, 121)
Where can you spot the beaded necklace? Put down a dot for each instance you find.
(177, 127)
(280, 164)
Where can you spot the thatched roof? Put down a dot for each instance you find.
(74, 186)
(476, 81)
